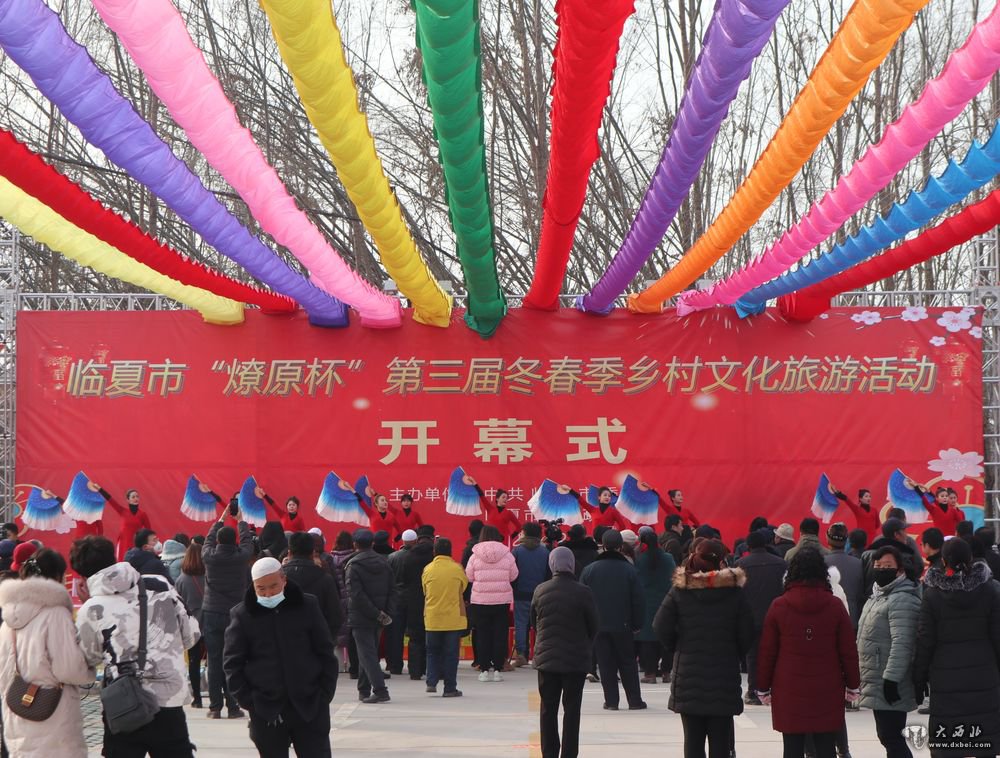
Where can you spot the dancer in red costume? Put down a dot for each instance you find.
(864, 516)
(380, 518)
(604, 513)
(409, 518)
(497, 514)
(676, 505)
(132, 521)
(945, 517)
(290, 518)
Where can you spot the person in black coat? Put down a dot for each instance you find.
(143, 558)
(564, 615)
(765, 577)
(582, 546)
(280, 665)
(620, 609)
(370, 600)
(312, 579)
(958, 652)
(417, 558)
(706, 623)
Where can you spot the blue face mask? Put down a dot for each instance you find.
(271, 602)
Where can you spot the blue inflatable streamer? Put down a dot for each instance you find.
(980, 166)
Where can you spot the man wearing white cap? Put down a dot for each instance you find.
(280, 665)
(397, 629)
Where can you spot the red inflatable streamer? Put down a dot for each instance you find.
(28, 171)
(977, 219)
(584, 62)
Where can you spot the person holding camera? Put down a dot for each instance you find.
(371, 595)
(225, 584)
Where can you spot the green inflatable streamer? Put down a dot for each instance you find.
(448, 40)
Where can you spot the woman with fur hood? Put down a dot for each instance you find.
(706, 626)
(38, 625)
(958, 650)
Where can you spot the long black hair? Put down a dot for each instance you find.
(651, 541)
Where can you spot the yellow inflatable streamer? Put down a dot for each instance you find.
(309, 40)
(866, 36)
(45, 225)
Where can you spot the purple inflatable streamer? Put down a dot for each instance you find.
(34, 37)
(737, 33)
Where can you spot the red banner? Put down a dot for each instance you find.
(743, 416)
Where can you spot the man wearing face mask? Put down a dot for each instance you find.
(132, 521)
(144, 556)
(280, 664)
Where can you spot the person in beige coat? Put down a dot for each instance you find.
(37, 609)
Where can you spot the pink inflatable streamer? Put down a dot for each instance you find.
(966, 73)
(155, 36)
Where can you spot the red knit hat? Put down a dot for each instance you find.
(22, 553)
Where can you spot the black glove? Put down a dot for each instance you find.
(891, 691)
(840, 495)
(575, 494)
(479, 490)
(921, 691)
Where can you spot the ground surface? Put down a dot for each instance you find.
(497, 719)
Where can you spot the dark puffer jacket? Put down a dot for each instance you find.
(227, 570)
(615, 584)
(417, 558)
(656, 573)
(314, 581)
(706, 624)
(807, 657)
(281, 655)
(370, 589)
(958, 651)
(585, 551)
(564, 615)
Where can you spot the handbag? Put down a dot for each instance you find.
(127, 706)
(30, 701)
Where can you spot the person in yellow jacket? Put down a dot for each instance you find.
(444, 584)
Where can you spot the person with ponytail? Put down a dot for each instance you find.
(38, 630)
(656, 574)
(958, 650)
(706, 625)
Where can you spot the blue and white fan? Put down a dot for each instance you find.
(825, 503)
(365, 489)
(42, 513)
(638, 504)
(463, 498)
(903, 496)
(337, 502)
(555, 501)
(82, 503)
(198, 505)
(252, 507)
(594, 496)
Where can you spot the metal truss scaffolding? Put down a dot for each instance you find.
(983, 291)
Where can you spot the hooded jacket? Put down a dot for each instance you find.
(314, 581)
(887, 637)
(564, 615)
(146, 563)
(40, 613)
(113, 609)
(615, 584)
(706, 624)
(172, 557)
(912, 561)
(807, 657)
(491, 570)
(532, 559)
(370, 589)
(958, 649)
(227, 570)
(279, 656)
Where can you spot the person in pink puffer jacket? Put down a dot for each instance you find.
(491, 570)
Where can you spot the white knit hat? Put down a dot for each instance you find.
(409, 536)
(264, 567)
(629, 537)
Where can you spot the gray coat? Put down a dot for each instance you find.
(887, 637)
